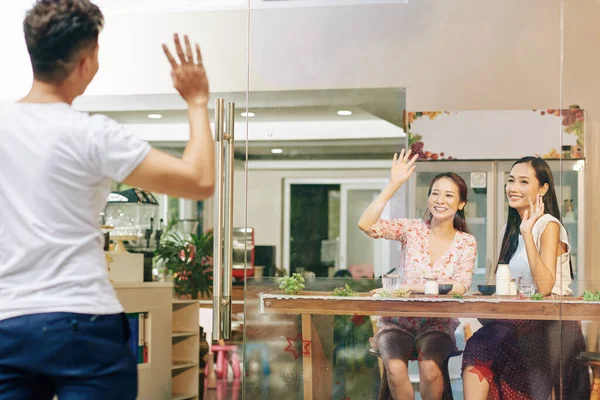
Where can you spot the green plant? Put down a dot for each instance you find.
(191, 262)
(537, 296)
(457, 296)
(292, 284)
(591, 296)
(399, 293)
(344, 291)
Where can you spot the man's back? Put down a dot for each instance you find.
(56, 168)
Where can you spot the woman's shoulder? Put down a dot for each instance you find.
(411, 222)
(544, 220)
(465, 236)
(465, 240)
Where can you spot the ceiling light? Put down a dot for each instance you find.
(344, 112)
(248, 114)
(276, 151)
(154, 116)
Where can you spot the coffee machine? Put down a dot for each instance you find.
(131, 217)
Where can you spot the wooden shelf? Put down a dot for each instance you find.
(185, 348)
(188, 396)
(179, 301)
(179, 334)
(177, 365)
(155, 376)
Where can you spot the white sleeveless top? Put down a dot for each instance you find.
(519, 265)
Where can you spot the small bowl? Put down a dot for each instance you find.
(445, 288)
(486, 290)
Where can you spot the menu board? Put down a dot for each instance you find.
(504, 134)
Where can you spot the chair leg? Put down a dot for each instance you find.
(595, 394)
(447, 394)
(384, 388)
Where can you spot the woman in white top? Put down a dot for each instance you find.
(518, 359)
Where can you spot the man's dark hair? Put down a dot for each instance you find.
(56, 31)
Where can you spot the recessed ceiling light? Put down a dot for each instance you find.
(154, 116)
(276, 151)
(345, 112)
(248, 114)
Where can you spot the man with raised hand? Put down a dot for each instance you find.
(62, 328)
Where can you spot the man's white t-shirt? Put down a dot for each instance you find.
(56, 168)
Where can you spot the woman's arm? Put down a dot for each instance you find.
(373, 212)
(463, 273)
(402, 169)
(542, 262)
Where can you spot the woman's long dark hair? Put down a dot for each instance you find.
(510, 241)
(460, 222)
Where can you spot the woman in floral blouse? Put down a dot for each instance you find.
(439, 247)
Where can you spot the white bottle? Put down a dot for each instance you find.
(503, 280)
(513, 287)
(431, 286)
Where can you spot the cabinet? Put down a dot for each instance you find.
(154, 299)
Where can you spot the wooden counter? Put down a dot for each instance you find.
(499, 307)
(318, 309)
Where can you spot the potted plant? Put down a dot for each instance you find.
(190, 260)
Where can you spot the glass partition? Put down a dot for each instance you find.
(335, 90)
(579, 169)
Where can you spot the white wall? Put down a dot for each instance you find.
(460, 54)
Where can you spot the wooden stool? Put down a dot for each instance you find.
(592, 360)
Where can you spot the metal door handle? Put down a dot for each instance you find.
(223, 220)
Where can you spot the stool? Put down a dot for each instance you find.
(222, 352)
(592, 360)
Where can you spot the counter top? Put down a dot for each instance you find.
(142, 285)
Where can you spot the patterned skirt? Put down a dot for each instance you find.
(526, 360)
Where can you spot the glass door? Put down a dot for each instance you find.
(331, 84)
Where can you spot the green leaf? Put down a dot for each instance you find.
(537, 296)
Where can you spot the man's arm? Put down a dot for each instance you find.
(192, 176)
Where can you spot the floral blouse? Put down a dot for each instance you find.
(456, 264)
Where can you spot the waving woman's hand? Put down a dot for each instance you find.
(531, 216)
(402, 167)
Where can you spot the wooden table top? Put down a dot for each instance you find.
(442, 306)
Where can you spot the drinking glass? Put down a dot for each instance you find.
(391, 282)
(526, 286)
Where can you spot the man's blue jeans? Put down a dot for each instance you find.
(73, 356)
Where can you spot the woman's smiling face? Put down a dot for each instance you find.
(444, 200)
(523, 186)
